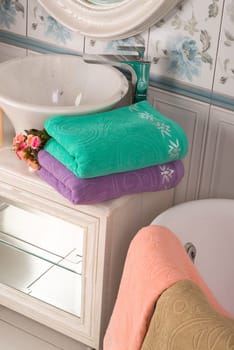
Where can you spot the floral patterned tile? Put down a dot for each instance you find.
(183, 46)
(44, 27)
(224, 75)
(13, 16)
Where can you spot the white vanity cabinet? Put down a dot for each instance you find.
(61, 264)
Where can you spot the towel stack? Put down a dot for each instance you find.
(156, 261)
(102, 156)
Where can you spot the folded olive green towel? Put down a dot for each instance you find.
(184, 320)
(123, 139)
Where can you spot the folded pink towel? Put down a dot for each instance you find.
(156, 260)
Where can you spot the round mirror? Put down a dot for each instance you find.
(104, 2)
(108, 19)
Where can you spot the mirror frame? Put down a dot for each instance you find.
(111, 22)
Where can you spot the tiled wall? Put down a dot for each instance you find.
(185, 46)
(192, 49)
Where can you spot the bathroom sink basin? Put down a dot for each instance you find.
(35, 88)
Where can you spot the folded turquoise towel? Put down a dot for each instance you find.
(123, 139)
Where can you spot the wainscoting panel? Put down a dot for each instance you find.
(218, 171)
(192, 115)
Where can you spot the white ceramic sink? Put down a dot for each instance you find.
(35, 88)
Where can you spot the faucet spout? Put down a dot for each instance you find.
(139, 49)
(138, 67)
(141, 68)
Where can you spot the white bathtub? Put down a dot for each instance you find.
(209, 225)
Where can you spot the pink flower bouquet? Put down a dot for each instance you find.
(27, 145)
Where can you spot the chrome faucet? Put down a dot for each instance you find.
(135, 64)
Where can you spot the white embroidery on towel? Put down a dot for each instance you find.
(174, 149)
(164, 129)
(146, 115)
(133, 108)
(166, 173)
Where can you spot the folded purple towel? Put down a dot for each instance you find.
(98, 189)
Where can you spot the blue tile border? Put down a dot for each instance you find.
(162, 83)
(33, 44)
(179, 88)
(203, 95)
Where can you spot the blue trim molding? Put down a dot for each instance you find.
(160, 82)
(33, 44)
(182, 89)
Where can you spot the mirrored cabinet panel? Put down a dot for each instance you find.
(41, 255)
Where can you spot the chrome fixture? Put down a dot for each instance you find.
(191, 250)
(134, 63)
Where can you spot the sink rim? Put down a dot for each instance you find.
(60, 109)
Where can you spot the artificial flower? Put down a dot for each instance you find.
(33, 141)
(27, 145)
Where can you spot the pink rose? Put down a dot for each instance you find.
(19, 146)
(22, 146)
(18, 139)
(33, 141)
(36, 142)
(29, 140)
